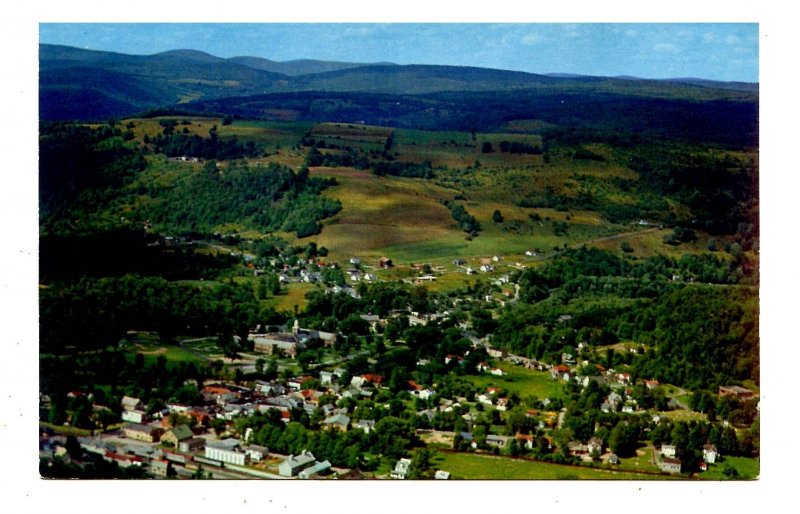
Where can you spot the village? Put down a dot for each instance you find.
(208, 438)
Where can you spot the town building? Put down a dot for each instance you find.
(195, 444)
(295, 463)
(670, 465)
(139, 432)
(177, 434)
(314, 470)
(227, 450)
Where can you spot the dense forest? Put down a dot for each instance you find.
(696, 332)
(89, 177)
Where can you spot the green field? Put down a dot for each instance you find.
(747, 469)
(153, 348)
(295, 296)
(524, 382)
(471, 466)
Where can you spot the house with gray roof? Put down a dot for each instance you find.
(367, 425)
(295, 463)
(177, 434)
(337, 421)
(314, 470)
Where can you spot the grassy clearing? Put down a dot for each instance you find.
(747, 469)
(649, 243)
(642, 461)
(153, 349)
(378, 212)
(683, 415)
(295, 297)
(524, 382)
(484, 467)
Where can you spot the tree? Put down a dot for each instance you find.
(260, 363)
(421, 464)
(393, 436)
(624, 439)
(497, 217)
(487, 147)
(262, 291)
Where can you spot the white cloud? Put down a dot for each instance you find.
(531, 39)
(732, 39)
(665, 47)
(571, 30)
(708, 37)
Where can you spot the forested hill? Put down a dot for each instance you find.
(92, 85)
(728, 122)
(85, 171)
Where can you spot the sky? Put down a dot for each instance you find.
(717, 51)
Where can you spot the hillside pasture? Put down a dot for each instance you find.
(364, 137)
(378, 212)
(460, 149)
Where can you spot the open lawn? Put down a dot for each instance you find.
(153, 349)
(746, 469)
(642, 461)
(295, 296)
(485, 467)
(524, 382)
(683, 415)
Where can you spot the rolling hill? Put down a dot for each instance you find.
(89, 85)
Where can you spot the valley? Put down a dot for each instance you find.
(333, 270)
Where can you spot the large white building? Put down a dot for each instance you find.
(227, 450)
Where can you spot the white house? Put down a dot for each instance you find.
(401, 469)
(670, 465)
(668, 450)
(134, 416)
(256, 453)
(710, 453)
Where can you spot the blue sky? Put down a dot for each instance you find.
(719, 51)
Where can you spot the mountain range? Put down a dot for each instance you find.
(79, 84)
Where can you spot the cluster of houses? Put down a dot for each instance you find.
(669, 463)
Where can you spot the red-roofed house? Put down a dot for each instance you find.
(372, 378)
(561, 371)
(525, 440)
